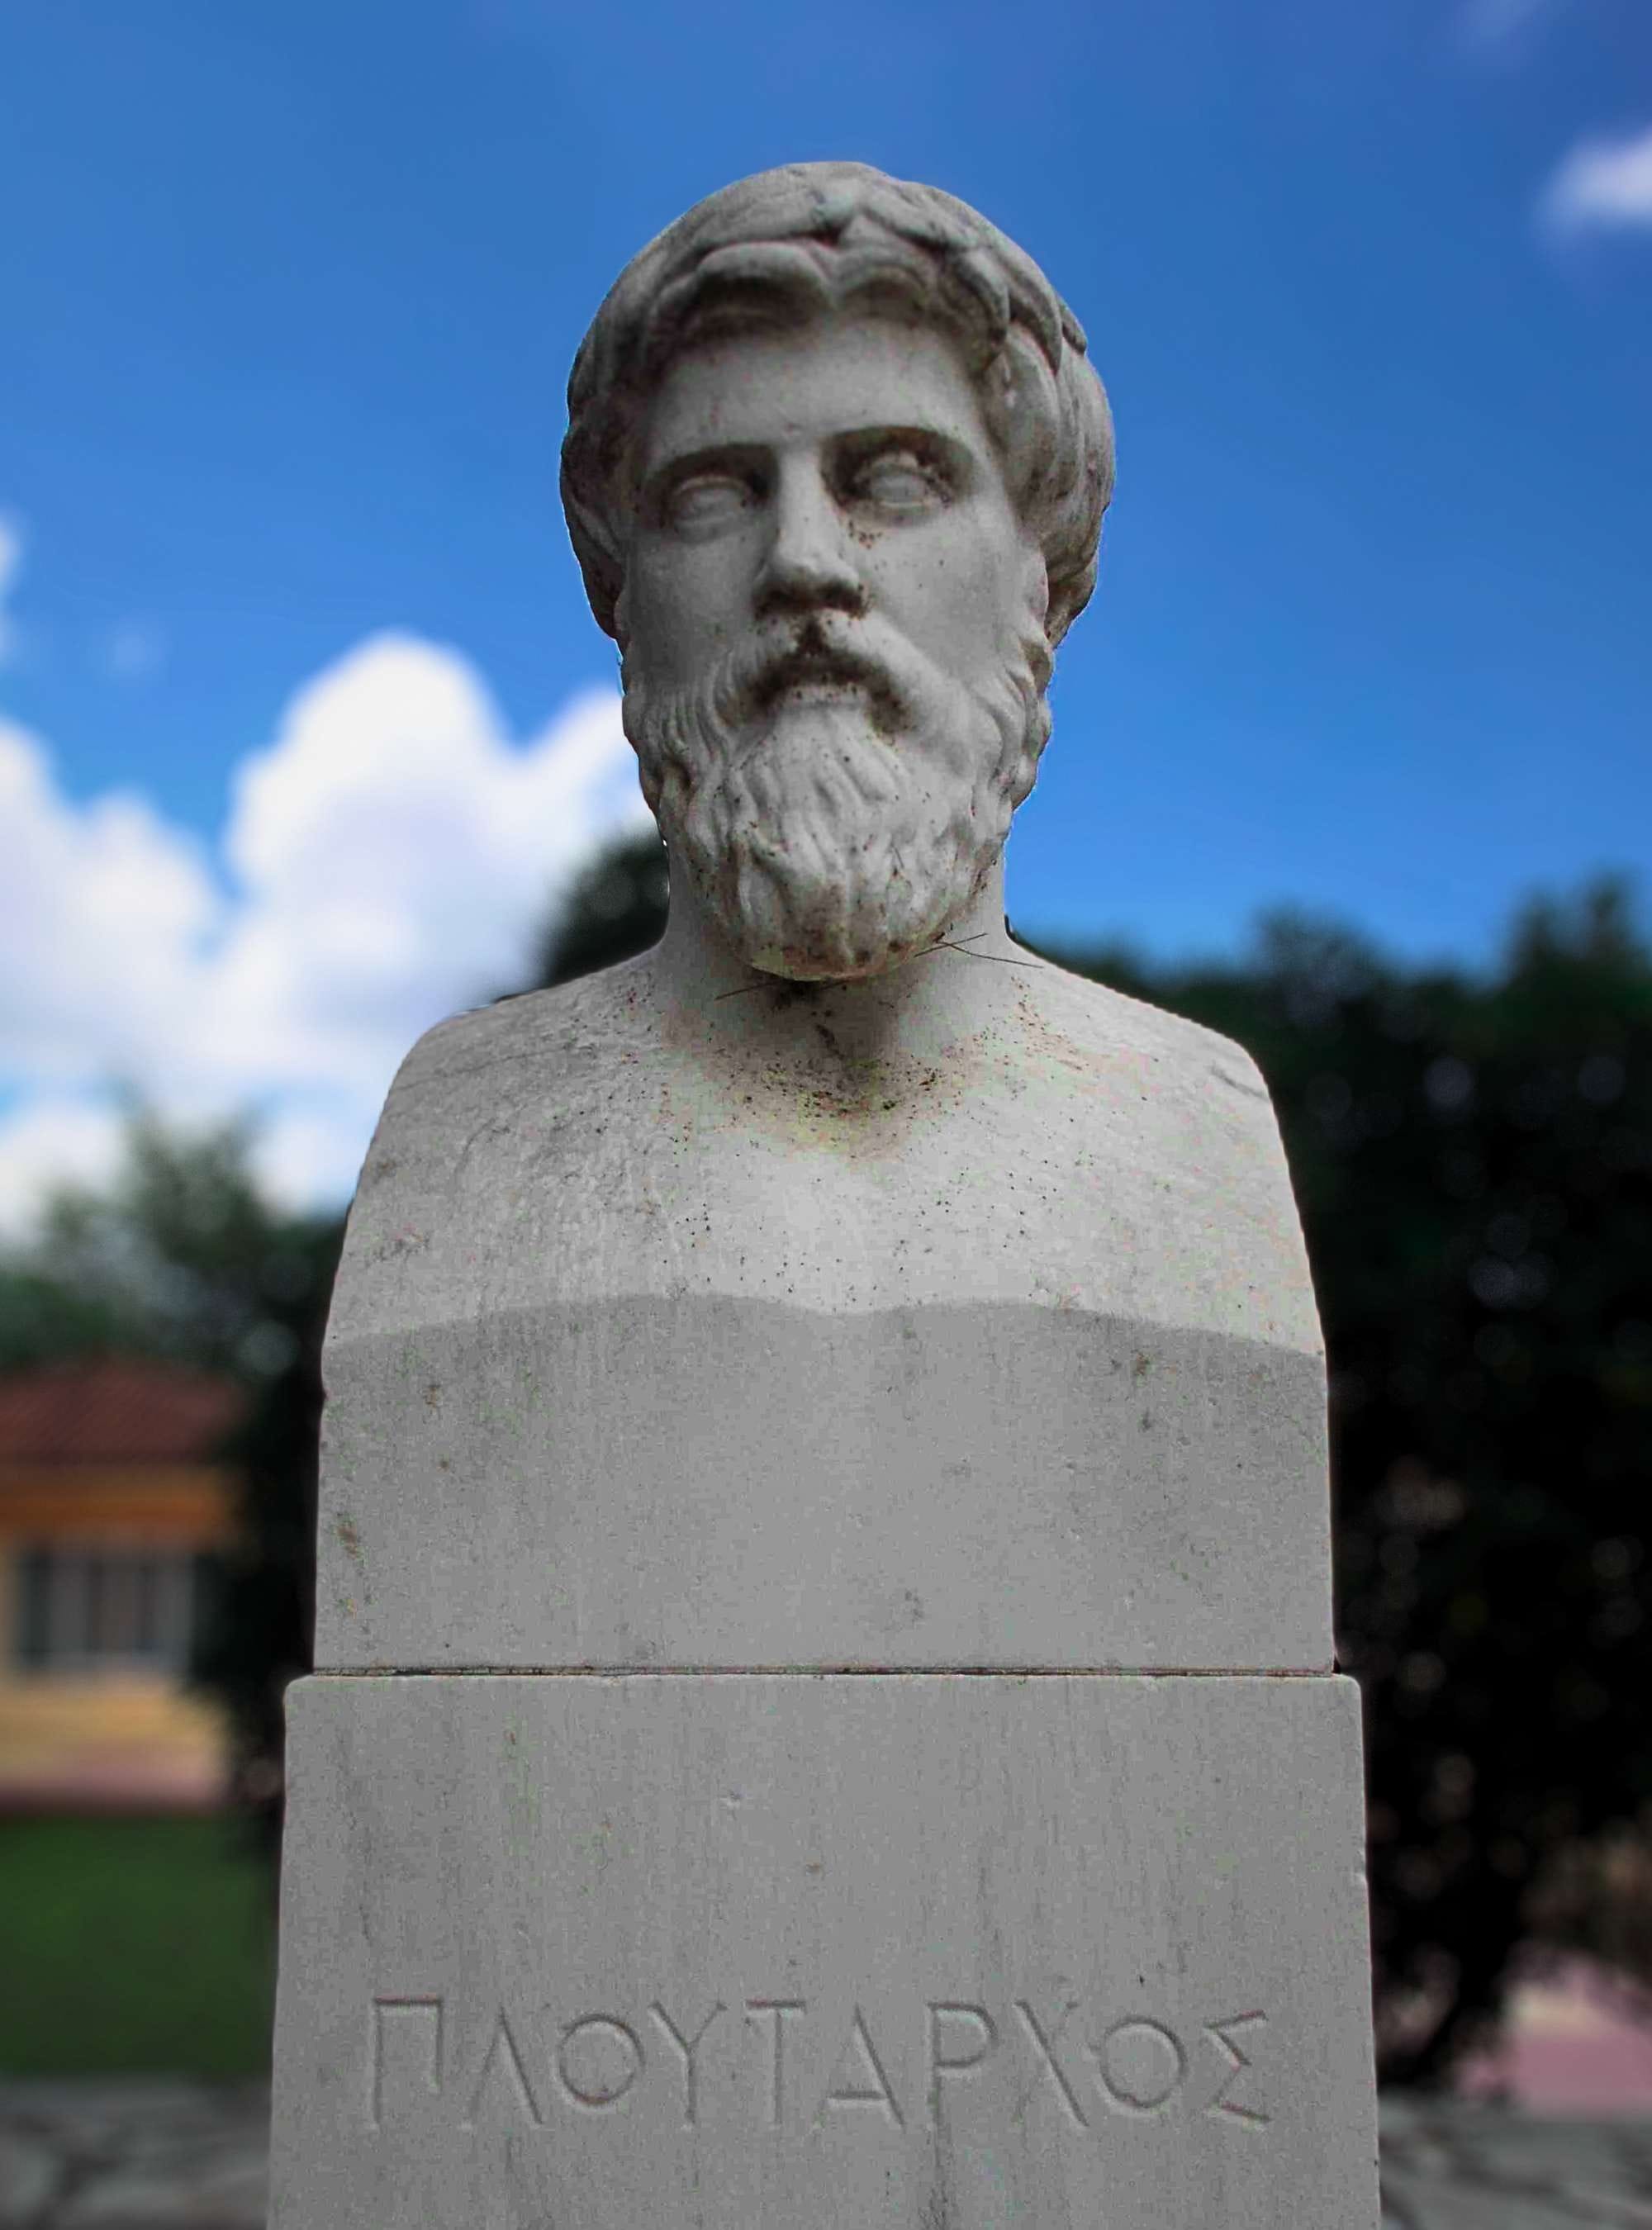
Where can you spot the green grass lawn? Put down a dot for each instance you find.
(134, 1946)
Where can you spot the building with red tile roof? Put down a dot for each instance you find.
(115, 1499)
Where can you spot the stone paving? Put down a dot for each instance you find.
(131, 2155)
(1449, 2166)
(134, 2156)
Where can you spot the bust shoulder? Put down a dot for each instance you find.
(599, 1015)
(1083, 1148)
(1101, 1018)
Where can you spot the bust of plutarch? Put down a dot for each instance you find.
(659, 1246)
(834, 471)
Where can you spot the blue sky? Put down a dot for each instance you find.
(291, 293)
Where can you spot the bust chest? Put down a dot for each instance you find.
(640, 1359)
(1024, 1165)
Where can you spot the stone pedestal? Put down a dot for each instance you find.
(595, 1953)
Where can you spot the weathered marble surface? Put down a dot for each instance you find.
(648, 1349)
(686, 1950)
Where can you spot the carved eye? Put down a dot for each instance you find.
(900, 482)
(707, 504)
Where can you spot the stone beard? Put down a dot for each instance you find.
(835, 799)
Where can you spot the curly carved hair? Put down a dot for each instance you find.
(793, 244)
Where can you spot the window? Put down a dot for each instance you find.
(84, 1608)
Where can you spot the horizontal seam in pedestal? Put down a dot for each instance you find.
(825, 1671)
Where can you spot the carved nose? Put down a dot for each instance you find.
(809, 563)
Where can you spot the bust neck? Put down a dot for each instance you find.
(914, 1012)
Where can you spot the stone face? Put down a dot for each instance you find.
(650, 1350)
(834, 471)
(748, 1949)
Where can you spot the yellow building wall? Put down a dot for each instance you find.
(128, 1736)
(124, 1740)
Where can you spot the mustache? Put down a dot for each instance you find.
(825, 650)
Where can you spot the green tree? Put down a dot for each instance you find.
(1474, 1161)
(613, 909)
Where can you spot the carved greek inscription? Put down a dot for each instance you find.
(859, 2077)
(961, 2038)
(1044, 2043)
(396, 2017)
(599, 2060)
(687, 2046)
(1221, 2033)
(504, 2055)
(512, 2069)
(1141, 2066)
(776, 2013)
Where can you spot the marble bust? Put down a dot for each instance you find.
(800, 1402)
(838, 1283)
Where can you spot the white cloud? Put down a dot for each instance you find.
(386, 862)
(102, 912)
(11, 550)
(396, 851)
(1602, 185)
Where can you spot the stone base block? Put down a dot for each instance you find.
(823, 1952)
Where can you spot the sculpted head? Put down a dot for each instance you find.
(835, 472)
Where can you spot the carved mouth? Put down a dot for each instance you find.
(817, 673)
(808, 673)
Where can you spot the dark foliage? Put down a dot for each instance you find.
(1474, 1161)
(42, 1318)
(261, 1628)
(613, 909)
